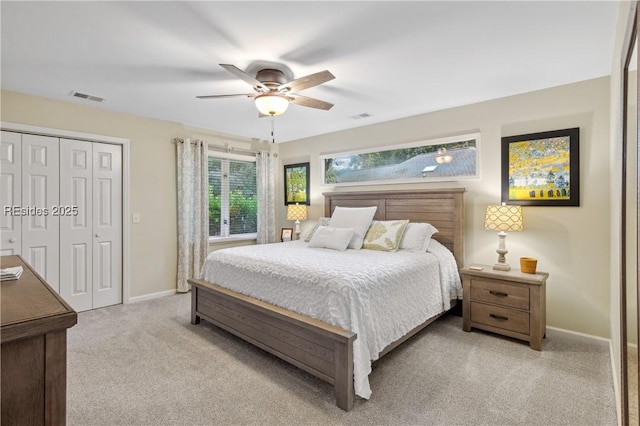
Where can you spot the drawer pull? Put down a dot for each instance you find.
(499, 317)
(498, 293)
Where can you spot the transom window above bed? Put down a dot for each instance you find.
(233, 201)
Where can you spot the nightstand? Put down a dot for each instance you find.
(510, 303)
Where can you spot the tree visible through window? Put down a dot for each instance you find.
(233, 201)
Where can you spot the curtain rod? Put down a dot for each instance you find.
(231, 150)
(228, 149)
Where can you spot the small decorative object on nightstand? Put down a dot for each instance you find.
(297, 212)
(528, 265)
(510, 303)
(286, 234)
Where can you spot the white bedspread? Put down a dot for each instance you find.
(378, 295)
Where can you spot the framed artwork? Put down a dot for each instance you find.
(445, 159)
(542, 169)
(286, 234)
(296, 184)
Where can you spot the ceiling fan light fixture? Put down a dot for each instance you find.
(272, 104)
(443, 157)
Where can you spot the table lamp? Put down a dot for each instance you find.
(503, 218)
(297, 212)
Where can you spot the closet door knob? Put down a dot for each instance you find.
(97, 235)
(12, 240)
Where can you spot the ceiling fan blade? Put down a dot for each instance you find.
(256, 84)
(246, 95)
(306, 82)
(310, 102)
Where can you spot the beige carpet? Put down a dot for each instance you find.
(632, 364)
(145, 364)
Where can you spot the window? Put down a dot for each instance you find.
(445, 159)
(233, 201)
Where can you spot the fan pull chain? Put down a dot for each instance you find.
(273, 127)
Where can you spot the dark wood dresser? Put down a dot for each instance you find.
(33, 331)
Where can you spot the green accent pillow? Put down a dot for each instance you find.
(384, 235)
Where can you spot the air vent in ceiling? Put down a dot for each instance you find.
(87, 97)
(361, 116)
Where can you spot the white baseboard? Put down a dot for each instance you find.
(576, 333)
(150, 296)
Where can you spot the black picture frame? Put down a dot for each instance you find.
(296, 184)
(286, 234)
(542, 169)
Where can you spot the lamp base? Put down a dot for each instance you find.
(502, 267)
(297, 230)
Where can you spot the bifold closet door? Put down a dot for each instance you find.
(29, 190)
(76, 232)
(91, 240)
(107, 224)
(41, 197)
(10, 192)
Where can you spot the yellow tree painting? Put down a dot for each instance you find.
(541, 168)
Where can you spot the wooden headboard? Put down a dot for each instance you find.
(443, 208)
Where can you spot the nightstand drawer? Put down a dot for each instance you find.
(496, 316)
(500, 294)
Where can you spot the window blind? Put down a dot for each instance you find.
(233, 204)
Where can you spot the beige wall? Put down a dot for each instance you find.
(153, 242)
(571, 243)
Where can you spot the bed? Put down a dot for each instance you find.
(322, 349)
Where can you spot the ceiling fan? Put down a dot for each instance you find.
(272, 91)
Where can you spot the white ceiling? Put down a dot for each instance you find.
(390, 59)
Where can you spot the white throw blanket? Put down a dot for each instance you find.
(378, 295)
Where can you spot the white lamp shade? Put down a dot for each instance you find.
(271, 104)
(297, 212)
(504, 218)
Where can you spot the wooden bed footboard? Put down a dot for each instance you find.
(321, 349)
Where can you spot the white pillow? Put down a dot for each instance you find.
(384, 235)
(357, 218)
(331, 238)
(416, 237)
(323, 221)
